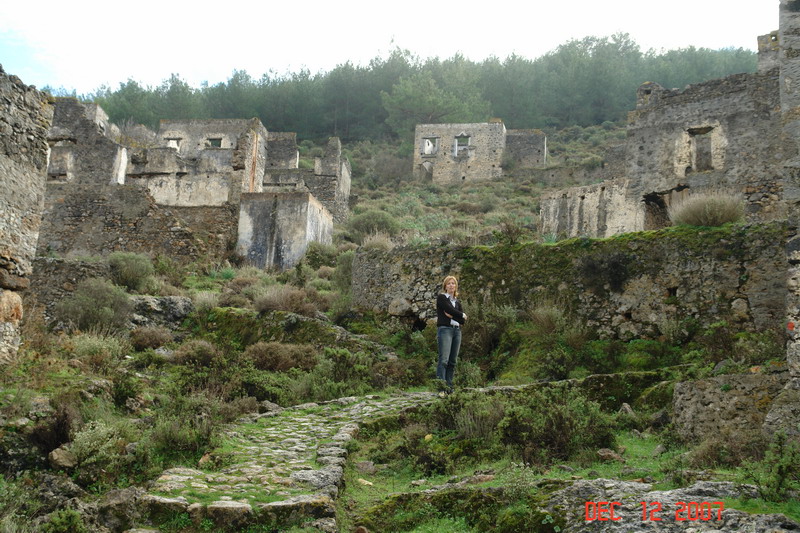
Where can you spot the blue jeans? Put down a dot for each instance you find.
(449, 341)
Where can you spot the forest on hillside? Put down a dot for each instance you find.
(581, 82)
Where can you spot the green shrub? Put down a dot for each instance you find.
(485, 329)
(378, 241)
(131, 270)
(125, 385)
(347, 366)
(205, 300)
(96, 303)
(319, 255)
(100, 448)
(555, 424)
(185, 436)
(198, 353)
(343, 275)
(65, 521)
(728, 449)
(479, 419)
(188, 425)
(57, 429)
(707, 209)
(98, 351)
(280, 357)
(150, 337)
(16, 505)
(469, 374)
(372, 221)
(230, 299)
(778, 475)
(284, 298)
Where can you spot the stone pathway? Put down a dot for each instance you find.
(282, 467)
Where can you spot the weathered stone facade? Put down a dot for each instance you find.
(179, 192)
(725, 135)
(450, 154)
(721, 135)
(639, 285)
(275, 227)
(25, 117)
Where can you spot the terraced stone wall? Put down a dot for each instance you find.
(635, 285)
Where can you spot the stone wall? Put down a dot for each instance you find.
(53, 280)
(275, 227)
(25, 117)
(636, 285)
(190, 137)
(282, 150)
(84, 146)
(526, 148)
(249, 161)
(785, 412)
(440, 156)
(330, 182)
(724, 406)
(173, 182)
(768, 51)
(87, 220)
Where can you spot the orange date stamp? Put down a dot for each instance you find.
(656, 512)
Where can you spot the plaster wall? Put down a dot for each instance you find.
(276, 227)
(600, 210)
(189, 190)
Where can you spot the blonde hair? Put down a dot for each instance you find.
(444, 285)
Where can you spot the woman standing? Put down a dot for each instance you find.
(449, 319)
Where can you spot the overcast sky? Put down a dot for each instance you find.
(84, 44)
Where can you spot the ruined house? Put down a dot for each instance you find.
(23, 161)
(721, 135)
(195, 187)
(449, 154)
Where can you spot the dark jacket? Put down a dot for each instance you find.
(443, 306)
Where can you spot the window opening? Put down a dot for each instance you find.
(174, 142)
(461, 145)
(700, 141)
(430, 145)
(215, 142)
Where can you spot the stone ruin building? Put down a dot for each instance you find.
(721, 135)
(449, 154)
(25, 117)
(194, 188)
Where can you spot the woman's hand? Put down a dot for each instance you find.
(448, 315)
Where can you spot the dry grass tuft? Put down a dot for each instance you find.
(707, 209)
